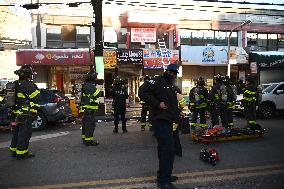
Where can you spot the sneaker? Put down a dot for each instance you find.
(91, 143)
(25, 156)
(167, 186)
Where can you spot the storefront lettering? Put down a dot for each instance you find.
(77, 56)
(271, 64)
(59, 57)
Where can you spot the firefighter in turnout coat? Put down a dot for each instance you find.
(27, 99)
(88, 106)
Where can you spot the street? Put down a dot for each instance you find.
(130, 160)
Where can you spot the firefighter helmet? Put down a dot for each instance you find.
(200, 81)
(91, 76)
(251, 78)
(25, 71)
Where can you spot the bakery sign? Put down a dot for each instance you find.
(143, 35)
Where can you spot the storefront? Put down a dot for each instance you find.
(269, 66)
(56, 68)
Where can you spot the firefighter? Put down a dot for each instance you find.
(119, 95)
(250, 101)
(88, 106)
(220, 96)
(144, 110)
(197, 103)
(160, 94)
(27, 99)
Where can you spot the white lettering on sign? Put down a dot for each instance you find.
(143, 35)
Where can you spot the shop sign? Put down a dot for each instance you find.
(110, 59)
(146, 35)
(253, 67)
(268, 59)
(54, 57)
(130, 56)
(204, 54)
(154, 59)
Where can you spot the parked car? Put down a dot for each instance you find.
(272, 100)
(54, 108)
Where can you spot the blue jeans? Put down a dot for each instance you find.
(166, 152)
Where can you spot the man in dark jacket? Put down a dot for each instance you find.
(144, 110)
(119, 95)
(88, 106)
(26, 104)
(160, 94)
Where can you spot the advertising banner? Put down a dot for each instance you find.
(153, 58)
(54, 57)
(129, 56)
(204, 54)
(146, 35)
(110, 59)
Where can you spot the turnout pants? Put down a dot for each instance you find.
(201, 113)
(21, 134)
(88, 125)
(143, 116)
(119, 114)
(250, 113)
(166, 150)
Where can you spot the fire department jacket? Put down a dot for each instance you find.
(89, 99)
(221, 94)
(156, 91)
(198, 97)
(250, 94)
(28, 97)
(119, 95)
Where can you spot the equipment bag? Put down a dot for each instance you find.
(11, 94)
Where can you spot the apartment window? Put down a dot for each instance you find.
(197, 38)
(53, 37)
(262, 42)
(272, 42)
(251, 39)
(208, 37)
(82, 35)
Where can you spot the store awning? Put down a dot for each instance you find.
(54, 57)
(268, 59)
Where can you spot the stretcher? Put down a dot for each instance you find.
(221, 134)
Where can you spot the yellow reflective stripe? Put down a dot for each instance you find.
(91, 138)
(191, 103)
(34, 104)
(96, 93)
(13, 149)
(193, 124)
(89, 107)
(84, 94)
(252, 122)
(250, 99)
(17, 112)
(250, 92)
(21, 95)
(34, 94)
(201, 96)
(149, 125)
(231, 124)
(216, 96)
(142, 102)
(21, 152)
(83, 136)
(175, 125)
(33, 110)
(202, 125)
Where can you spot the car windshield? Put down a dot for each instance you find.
(270, 88)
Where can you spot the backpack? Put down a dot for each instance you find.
(10, 96)
(223, 93)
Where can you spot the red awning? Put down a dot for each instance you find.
(54, 57)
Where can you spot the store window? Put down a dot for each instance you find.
(208, 37)
(197, 38)
(252, 40)
(185, 37)
(69, 36)
(221, 38)
(262, 42)
(272, 42)
(53, 37)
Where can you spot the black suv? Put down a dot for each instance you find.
(54, 108)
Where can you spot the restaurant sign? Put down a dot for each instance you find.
(54, 57)
(155, 59)
(145, 35)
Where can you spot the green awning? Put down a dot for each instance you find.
(268, 59)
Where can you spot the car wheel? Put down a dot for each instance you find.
(40, 121)
(266, 110)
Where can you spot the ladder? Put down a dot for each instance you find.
(164, 51)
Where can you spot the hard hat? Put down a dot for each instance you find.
(173, 67)
(25, 71)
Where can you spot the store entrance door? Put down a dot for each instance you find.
(59, 81)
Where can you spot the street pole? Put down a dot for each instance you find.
(98, 25)
(228, 51)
